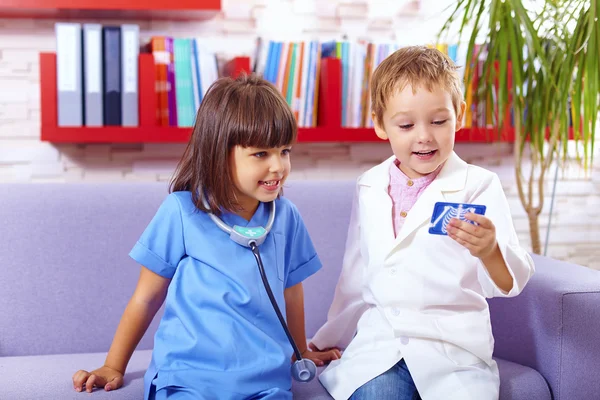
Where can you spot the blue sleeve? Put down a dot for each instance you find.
(303, 258)
(161, 246)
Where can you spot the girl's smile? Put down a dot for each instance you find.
(271, 186)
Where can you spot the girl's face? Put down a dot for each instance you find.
(258, 175)
(420, 127)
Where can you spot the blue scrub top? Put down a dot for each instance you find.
(219, 328)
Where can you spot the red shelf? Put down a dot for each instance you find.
(181, 135)
(110, 9)
(157, 134)
(148, 132)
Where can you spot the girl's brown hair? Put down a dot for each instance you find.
(247, 111)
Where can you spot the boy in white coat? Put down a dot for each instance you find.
(410, 307)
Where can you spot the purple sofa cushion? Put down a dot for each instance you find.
(553, 327)
(49, 377)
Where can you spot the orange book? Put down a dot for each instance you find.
(161, 60)
(287, 69)
(298, 82)
(317, 83)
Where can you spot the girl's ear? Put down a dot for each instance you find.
(459, 117)
(379, 130)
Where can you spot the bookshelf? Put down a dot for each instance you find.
(149, 132)
(110, 9)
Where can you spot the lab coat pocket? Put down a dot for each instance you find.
(280, 255)
(467, 338)
(460, 356)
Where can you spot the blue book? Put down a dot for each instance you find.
(112, 75)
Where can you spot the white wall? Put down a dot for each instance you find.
(575, 235)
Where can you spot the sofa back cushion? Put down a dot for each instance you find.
(65, 273)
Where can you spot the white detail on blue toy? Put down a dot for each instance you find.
(451, 212)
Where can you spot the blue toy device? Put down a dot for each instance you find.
(444, 212)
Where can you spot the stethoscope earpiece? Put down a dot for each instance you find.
(303, 370)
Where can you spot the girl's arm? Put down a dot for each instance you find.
(294, 307)
(146, 300)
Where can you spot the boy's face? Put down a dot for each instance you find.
(420, 127)
(258, 175)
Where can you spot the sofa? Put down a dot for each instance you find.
(65, 278)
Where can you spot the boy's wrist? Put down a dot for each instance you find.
(492, 256)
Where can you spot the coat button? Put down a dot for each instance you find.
(392, 271)
(404, 340)
(396, 311)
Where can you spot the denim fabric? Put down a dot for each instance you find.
(394, 384)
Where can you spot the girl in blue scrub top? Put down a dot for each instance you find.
(219, 337)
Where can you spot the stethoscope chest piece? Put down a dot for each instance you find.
(244, 236)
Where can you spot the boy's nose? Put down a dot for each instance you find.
(425, 136)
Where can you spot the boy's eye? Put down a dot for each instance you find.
(260, 154)
(406, 126)
(442, 122)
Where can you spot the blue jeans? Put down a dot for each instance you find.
(394, 384)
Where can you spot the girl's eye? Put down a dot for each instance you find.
(260, 154)
(406, 126)
(286, 151)
(440, 122)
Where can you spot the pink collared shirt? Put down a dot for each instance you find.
(405, 192)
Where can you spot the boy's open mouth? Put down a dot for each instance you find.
(424, 153)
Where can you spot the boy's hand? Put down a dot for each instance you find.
(479, 239)
(105, 377)
(320, 357)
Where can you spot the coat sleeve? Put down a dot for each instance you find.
(348, 305)
(518, 261)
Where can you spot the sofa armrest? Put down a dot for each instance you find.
(553, 326)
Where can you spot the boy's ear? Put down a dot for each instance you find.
(381, 134)
(459, 117)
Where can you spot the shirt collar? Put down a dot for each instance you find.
(398, 177)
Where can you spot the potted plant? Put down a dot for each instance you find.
(542, 66)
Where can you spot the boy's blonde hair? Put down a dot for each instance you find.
(417, 66)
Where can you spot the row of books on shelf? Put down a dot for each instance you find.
(291, 67)
(97, 74)
(184, 70)
(98, 82)
(294, 67)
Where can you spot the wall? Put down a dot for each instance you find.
(23, 158)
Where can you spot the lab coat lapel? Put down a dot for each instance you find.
(376, 207)
(451, 178)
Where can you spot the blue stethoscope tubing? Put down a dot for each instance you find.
(303, 370)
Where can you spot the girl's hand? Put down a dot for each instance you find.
(105, 377)
(479, 239)
(321, 357)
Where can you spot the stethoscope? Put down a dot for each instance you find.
(303, 370)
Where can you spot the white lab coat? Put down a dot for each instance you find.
(419, 296)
